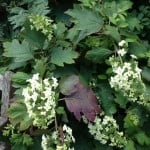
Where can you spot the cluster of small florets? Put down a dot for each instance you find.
(62, 143)
(43, 24)
(122, 51)
(40, 100)
(133, 118)
(107, 131)
(127, 77)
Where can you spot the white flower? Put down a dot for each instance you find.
(44, 142)
(122, 52)
(48, 92)
(55, 135)
(46, 82)
(55, 82)
(133, 56)
(122, 43)
(34, 96)
(26, 94)
(69, 132)
(34, 82)
(35, 77)
(119, 70)
(43, 113)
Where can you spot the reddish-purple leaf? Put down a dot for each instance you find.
(82, 101)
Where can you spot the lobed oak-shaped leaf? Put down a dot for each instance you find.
(21, 52)
(92, 23)
(59, 56)
(81, 100)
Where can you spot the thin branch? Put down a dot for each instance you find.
(56, 125)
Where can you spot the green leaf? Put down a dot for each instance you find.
(122, 24)
(83, 143)
(138, 49)
(146, 73)
(60, 30)
(129, 145)
(98, 54)
(109, 9)
(99, 146)
(102, 77)
(36, 144)
(113, 32)
(133, 23)
(133, 120)
(60, 110)
(21, 52)
(121, 100)
(65, 71)
(40, 66)
(20, 77)
(21, 141)
(138, 147)
(39, 7)
(14, 65)
(75, 35)
(107, 99)
(124, 5)
(142, 138)
(27, 140)
(59, 56)
(17, 114)
(35, 38)
(85, 19)
(3, 70)
(19, 16)
(19, 147)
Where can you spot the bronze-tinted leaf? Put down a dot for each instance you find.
(82, 101)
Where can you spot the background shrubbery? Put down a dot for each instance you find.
(80, 74)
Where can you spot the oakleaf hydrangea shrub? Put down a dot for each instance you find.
(102, 47)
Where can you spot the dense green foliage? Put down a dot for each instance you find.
(73, 58)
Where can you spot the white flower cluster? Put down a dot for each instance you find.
(45, 141)
(55, 138)
(43, 24)
(40, 100)
(122, 43)
(122, 74)
(68, 134)
(127, 76)
(121, 52)
(106, 130)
